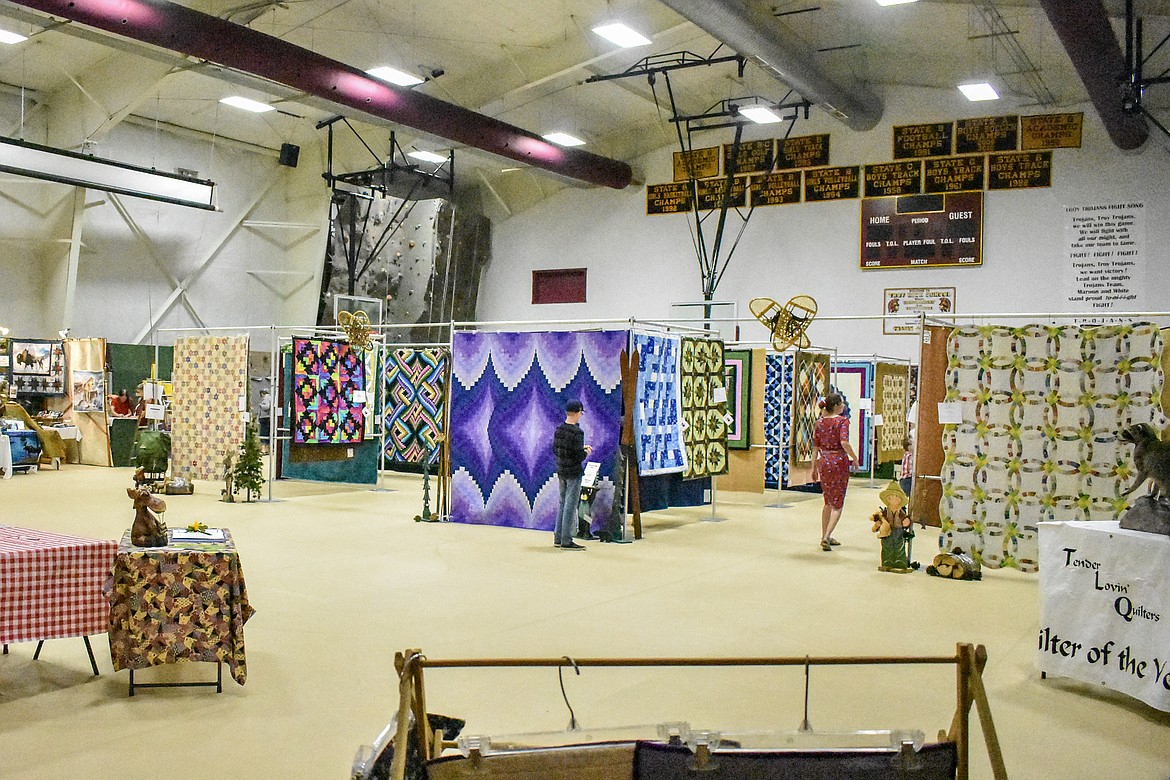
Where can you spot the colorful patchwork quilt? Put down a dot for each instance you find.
(854, 381)
(705, 436)
(329, 386)
(415, 402)
(210, 378)
(1042, 407)
(658, 404)
(508, 395)
(811, 384)
(738, 377)
(892, 388)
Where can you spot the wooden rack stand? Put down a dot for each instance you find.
(969, 661)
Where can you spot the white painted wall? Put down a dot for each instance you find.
(256, 275)
(638, 264)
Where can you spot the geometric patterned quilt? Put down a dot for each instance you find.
(778, 391)
(658, 404)
(326, 375)
(738, 372)
(703, 380)
(1042, 406)
(811, 385)
(854, 381)
(892, 402)
(415, 402)
(508, 395)
(210, 378)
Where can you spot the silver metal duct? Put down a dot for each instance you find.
(1084, 29)
(753, 32)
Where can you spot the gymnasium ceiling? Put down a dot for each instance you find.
(525, 61)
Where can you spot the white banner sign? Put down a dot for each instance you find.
(1105, 608)
(1105, 257)
(915, 301)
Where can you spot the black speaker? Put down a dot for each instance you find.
(289, 154)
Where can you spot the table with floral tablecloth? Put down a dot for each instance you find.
(182, 602)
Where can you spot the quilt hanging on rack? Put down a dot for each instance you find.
(210, 377)
(704, 405)
(854, 381)
(737, 364)
(658, 404)
(1041, 409)
(892, 388)
(811, 384)
(329, 389)
(778, 390)
(415, 401)
(37, 367)
(508, 395)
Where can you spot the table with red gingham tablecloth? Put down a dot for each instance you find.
(51, 585)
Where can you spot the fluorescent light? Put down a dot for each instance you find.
(623, 36)
(44, 162)
(395, 76)
(255, 106)
(895, 2)
(759, 114)
(508, 170)
(11, 37)
(980, 91)
(564, 139)
(430, 157)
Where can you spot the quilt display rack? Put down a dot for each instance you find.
(412, 722)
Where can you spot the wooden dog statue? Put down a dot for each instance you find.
(1151, 456)
(148, 530)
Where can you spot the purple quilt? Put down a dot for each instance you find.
(508, 396)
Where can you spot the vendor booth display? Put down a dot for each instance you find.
(86, 402)
(210, 383)
(738, 379)
(658, 434)
(891, 402)
(1042, 407)
(37, 367)
(507, 398)
(704, 406)
(779, 389)
(329, 389)
(414, 405)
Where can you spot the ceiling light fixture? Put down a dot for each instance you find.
(979, 91)
(895, 2)
(3, 331)
(11, 37)
(508, 170)
(623, 36)
(563, 139)
(394, 76)
(80, 170)
(255, 106)
(761, 115)
(430, 157)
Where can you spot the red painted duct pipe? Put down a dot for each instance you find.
(1084, 29)
(196, 34)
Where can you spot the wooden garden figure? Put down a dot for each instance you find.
(895, 530)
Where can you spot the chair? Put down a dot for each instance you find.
(52, 446)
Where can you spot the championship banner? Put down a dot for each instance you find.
(1105, 608)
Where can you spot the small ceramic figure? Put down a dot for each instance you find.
(894, 529)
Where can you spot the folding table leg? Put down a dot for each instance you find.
(5, 649)
(89, 649)
(37, 652)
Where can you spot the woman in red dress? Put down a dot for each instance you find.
(832, 458)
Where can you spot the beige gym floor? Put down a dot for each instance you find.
(341, 578)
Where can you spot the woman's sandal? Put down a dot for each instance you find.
(825, 545)
(834, 542)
